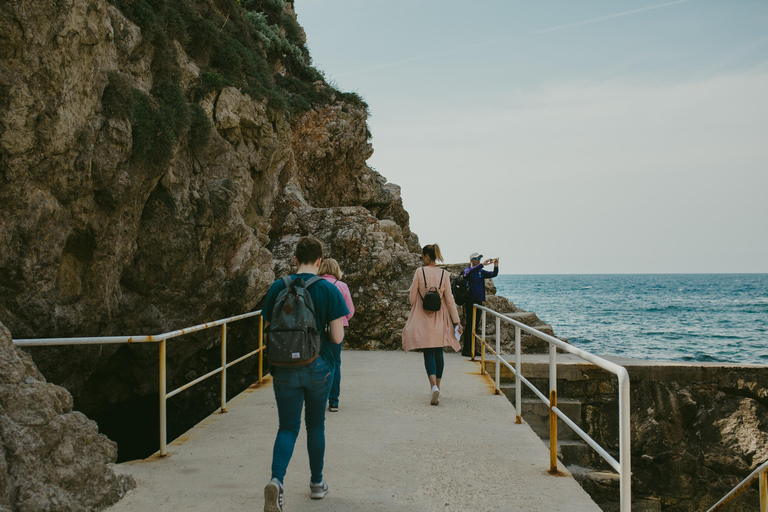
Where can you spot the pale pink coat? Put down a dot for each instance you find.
(344, 289)
(428, 329)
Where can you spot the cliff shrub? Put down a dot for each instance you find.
(208, 82)
(174, 105)
(117, 100)
(143, 124)
(158, 121)
(200, 127)
(238, 43)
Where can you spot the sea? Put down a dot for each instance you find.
(660, 317)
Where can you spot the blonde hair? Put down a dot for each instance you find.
(433, 251)
(330, 266)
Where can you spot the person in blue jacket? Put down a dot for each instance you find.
(475, 276)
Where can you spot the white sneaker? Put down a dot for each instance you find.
(435, 396)
(318, 490)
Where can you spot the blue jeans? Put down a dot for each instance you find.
(333, 398)
(433, 361)
(295, 387)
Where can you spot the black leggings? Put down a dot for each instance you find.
(433, 361)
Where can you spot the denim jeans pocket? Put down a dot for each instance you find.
(281, 377)
(320, 375)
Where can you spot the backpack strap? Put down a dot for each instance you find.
(425, 283)
(287, 281)
(309, 282)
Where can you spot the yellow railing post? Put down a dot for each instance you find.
(474, 319)
(482, 346)
(223, 368)
(163, 452)
(764, 491)
(497, 382)
(261, 347)
(552, 405)
(518, 381)
(552, 433)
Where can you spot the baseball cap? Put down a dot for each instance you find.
(475, 255)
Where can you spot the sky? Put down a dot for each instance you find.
(563, 136)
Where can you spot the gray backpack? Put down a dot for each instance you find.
(292, 335)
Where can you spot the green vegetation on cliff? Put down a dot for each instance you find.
(254, 45)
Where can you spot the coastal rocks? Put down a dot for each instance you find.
(377, 268)
(51, 458)
(696, 431)
(696, 439)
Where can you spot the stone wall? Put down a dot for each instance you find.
(696, 429)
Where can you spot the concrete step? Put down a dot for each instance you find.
(574, 451)
(536, 414)
(603, 487)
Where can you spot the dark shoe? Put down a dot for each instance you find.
(333, 408)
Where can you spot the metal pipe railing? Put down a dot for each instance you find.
(161, 339)
(623, 465)
(761, 473)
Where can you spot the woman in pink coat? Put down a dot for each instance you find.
(430, 331)
(330, 271)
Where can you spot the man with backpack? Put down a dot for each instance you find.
(475, 277)
(303, 314)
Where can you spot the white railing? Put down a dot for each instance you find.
(760, 473)
(161, 339)
(623, 465)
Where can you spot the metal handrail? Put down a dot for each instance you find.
(760, 473)
(161, 339)
(623, 466)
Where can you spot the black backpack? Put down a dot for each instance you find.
(431, 301)
(292, 335)
(460, 289)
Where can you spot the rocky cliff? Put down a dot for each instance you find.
(158, 161)
(51, 457)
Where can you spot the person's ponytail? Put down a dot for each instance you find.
(433, 251)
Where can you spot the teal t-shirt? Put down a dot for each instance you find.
(329, 305)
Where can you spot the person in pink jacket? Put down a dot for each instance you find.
(330, 271)
(430, 331)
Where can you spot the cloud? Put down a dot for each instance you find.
(601, 177)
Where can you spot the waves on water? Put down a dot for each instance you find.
(674, 317)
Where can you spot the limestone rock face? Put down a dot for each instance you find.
(97, 242)
(51, 457)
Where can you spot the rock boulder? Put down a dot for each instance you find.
(51, 457)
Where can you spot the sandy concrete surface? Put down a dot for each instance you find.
(387, 449)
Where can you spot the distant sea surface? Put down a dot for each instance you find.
(672, 317)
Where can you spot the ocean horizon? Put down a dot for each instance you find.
(687, 317)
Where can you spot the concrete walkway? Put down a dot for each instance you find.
(387, 450)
